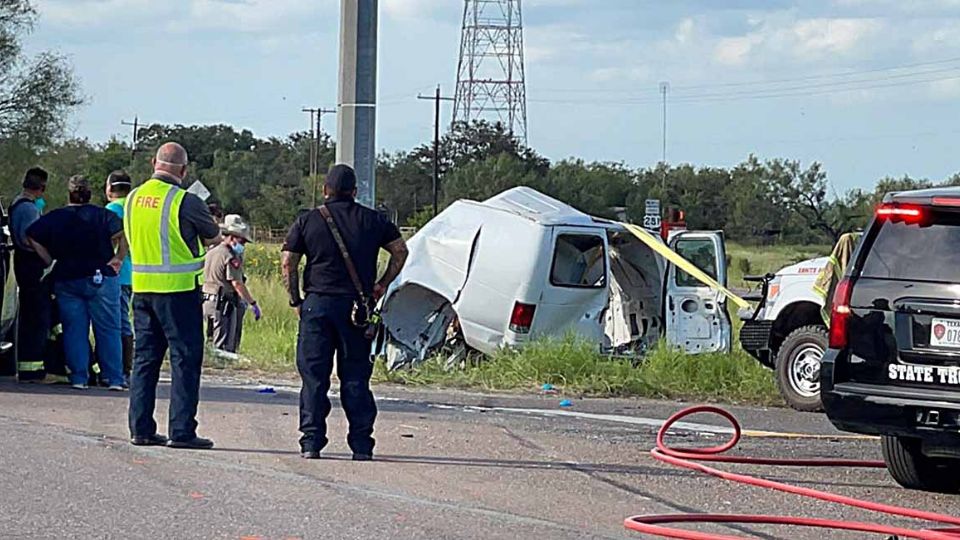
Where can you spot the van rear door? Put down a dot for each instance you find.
(696, 315)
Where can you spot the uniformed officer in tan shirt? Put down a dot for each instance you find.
(223, 285)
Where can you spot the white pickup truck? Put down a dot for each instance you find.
(786, 331)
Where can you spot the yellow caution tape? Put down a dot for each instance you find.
(664, 251)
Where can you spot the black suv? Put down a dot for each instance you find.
(893, 365)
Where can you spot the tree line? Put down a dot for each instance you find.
(759, 201)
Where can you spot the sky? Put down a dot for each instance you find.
(869, 88)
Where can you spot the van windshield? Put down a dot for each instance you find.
(579, 260)
(913, 252)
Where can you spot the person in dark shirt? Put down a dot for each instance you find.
(86, 245)
(326, 313)
(34, 292)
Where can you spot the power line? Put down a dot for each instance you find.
(135, 140)
(315, 131)
(806, 90)
(761, 82)
(437, 98)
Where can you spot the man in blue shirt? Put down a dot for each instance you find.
(118, 187)
(34, 301)
(81, 238)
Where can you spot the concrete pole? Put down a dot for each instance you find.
(357, 107)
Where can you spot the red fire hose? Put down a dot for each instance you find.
(688, 457)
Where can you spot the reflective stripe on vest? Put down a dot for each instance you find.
(29, 366)
(162, 261)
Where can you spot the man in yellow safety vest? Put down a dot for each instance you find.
(167, 228)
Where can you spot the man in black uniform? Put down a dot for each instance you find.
(326, 321)
(35, 304)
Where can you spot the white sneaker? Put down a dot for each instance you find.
(79, 386)
(117, 388)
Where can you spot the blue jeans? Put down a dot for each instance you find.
(325, 329)
(82, 302)
(165, 322)
(126, 296)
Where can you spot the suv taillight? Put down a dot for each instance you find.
(840, 314)
(522, 318)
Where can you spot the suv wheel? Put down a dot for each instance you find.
(798, 367)
(913, 470)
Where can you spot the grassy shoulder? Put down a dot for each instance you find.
(574, 368)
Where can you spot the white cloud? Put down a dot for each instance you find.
(248, 16)
(254, 16)
(806, 40)
(78, 13)
(816, 37)
(414, 9)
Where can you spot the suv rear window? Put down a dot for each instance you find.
(914, 252)
(579, 260)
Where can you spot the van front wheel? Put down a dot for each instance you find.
(913, 470)
(798, 367)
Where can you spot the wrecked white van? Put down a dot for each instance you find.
(522, 265)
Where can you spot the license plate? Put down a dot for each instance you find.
(945, 333)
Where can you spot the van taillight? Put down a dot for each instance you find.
(522, 318)
(840, 314)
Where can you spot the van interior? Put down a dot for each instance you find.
(633, 321)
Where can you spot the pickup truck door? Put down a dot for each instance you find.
(696, 315)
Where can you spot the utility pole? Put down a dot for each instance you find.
(316, 115)
(136, 127)
(357, 101)
(664, 89)
(437, 98)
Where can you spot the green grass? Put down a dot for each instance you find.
(574, 368)
(758, 260)
(577, 368)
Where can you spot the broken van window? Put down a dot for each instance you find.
(702, 252)
(579, 260)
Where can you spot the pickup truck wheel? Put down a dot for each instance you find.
(913, 470)
(798, 367)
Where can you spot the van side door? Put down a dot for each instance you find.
(576, 291)
(696, 315)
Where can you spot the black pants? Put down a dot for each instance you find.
(33, 327)
(161, 322)
(325, 328)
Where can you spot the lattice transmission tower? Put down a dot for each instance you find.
(491, 75)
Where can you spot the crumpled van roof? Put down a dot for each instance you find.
(537, 207)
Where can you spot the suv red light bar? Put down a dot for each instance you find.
(946, 201)
(901, 212)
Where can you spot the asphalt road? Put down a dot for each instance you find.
(450, 465)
